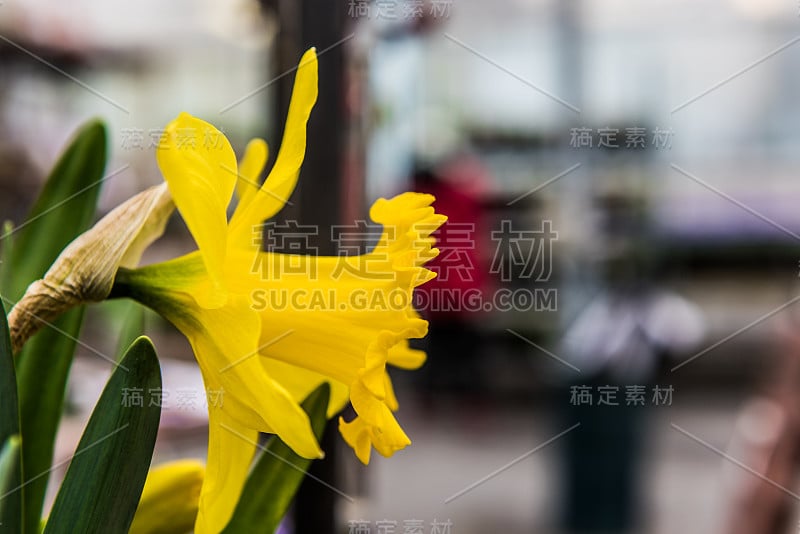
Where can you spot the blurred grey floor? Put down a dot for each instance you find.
(686, 483)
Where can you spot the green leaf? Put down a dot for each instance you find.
(104, 482)
(10, 516)
(6, 244)
(10, 468)
(64, 209)
(9, 411)
(42, 370)
(277, 475)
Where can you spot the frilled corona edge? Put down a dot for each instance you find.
(408, 220)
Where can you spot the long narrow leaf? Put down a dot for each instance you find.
(64, 209)
(42, 371)
(10, 463)
(6, 247)
(10, 515)
(104, 481)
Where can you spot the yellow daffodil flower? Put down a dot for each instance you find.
(267, 328)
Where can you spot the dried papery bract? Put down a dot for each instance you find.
(85, 269)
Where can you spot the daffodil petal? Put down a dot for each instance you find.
(404, 357)
(250, 167)
(376, 428)
(375, 418)
(356, 434)
(280, 182)
(225, 341)
(231, 448)
(225, 344)
(391, 398)
(286, 418)
(201, 176)
(299, 382)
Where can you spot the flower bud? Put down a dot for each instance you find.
(170, 498)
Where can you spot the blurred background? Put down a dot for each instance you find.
(613, 342)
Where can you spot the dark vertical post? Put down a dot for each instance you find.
(303, 24)
(318, 199)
